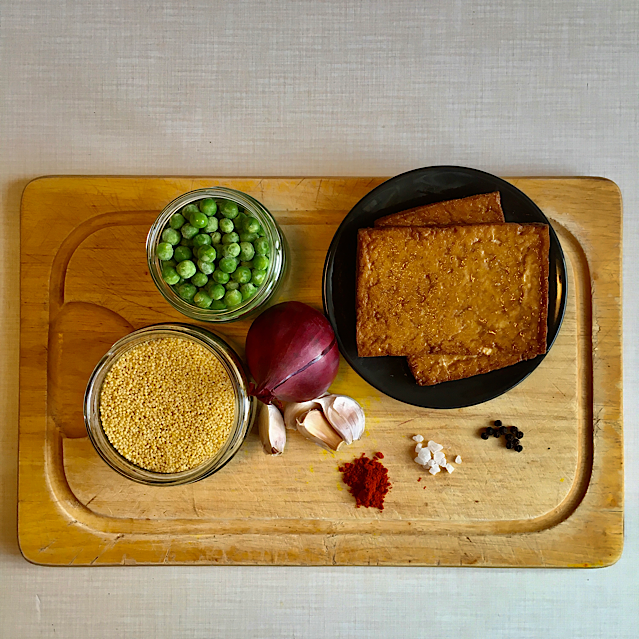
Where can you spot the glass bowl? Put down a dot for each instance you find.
(275, 273)
(245, 405)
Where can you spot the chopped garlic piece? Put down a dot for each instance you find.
(450, 468)
(418, 438)
(458, 460)
(434, 446)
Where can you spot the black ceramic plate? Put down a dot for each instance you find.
(391, 375)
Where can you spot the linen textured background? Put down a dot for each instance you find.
(513, 87)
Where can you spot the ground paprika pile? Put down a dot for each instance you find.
(367, 480)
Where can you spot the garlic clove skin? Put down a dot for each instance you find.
(272, 430)
(295, 412)
(345, 415)
(315, 426)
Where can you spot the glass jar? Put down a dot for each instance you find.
(274, 275)
(245, 405)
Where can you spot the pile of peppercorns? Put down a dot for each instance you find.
(513, 435)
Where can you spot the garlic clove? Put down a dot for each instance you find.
(296, 411)
(345, 415)
(314, 426)
(272, 430)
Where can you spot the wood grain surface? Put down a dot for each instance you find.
(85, 284)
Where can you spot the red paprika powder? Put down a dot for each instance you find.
(367, 480)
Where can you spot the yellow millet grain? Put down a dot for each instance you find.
(167, 405)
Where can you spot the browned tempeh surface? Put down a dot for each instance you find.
(462, 290)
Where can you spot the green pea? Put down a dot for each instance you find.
(172, 263)
(251, 225)
(257, 278)
(186, 291)
(189, 231)
(183, 253)
(186, 269)
(248, 290)
(217, 305)
(177, 221)
(262, 246)
(248, 264)
(229, 209)
(248, 237)
(211, 225)
(226, 225)
(220, 276)
(247, 251)
(232, 286)
(202, 300)
(207, 254)
(216, 291)
(261, 262)
(239, 220)
(198, 220)
(216, 238)
(242, 275)
(169, 275)
(199, 280)
(171, 236)
(189, 208)
(231, 250)
(164, 251)
(233, 298)
(227, 264)
(185, 242)
(230, 238)
(201, 239)
(205, 267)
(208, 206)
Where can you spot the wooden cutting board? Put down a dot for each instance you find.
(85, 284)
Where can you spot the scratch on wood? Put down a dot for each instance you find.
(195, 508)
(47, 546)
(92, 498)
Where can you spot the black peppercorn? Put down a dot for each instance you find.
(509, 444)
(519, 448)
(485, 435)
(509, 437)
(498, 423)
(503, 430)
(519, 435)
(495, 433)
(489, 430)
(514, 430)
(515, 443)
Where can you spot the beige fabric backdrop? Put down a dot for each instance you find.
(515, 87)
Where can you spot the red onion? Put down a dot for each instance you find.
(292, 353)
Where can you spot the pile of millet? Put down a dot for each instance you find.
(167, 405)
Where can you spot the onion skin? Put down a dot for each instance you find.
(292, 353)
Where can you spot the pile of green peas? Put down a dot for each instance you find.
(213, 254)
